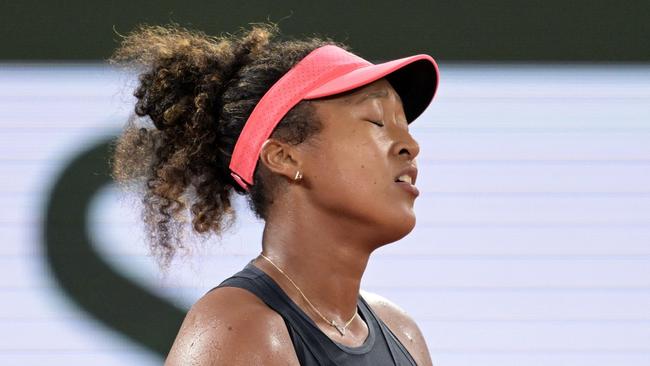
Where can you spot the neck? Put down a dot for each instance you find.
(324, 260)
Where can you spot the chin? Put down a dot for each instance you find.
(408, 225)
(399, 227)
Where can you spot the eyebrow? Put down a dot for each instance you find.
(375, 94)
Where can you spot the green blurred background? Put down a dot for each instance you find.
(481, 30)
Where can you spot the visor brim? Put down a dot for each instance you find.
(414, 78)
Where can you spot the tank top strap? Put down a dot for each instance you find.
(394, 345)
(254, 280)
(312, 344)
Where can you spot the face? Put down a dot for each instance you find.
(353, 164)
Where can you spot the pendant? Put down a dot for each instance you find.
(339, 328)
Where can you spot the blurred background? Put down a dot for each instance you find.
(532, 245)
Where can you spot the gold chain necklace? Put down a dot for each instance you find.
(340, 328)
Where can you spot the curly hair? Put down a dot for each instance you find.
(198, 92)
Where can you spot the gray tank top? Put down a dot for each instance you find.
(313, 347)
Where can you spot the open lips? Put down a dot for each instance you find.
(408, 175)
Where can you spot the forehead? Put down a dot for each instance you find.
(378, 89)
(360, 103)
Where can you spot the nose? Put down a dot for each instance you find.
(406, 146)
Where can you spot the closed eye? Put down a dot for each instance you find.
(378, 123)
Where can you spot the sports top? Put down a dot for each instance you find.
(312, 346)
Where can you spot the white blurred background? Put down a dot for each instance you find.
(532, 245)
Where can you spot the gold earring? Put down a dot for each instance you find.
(298, 175)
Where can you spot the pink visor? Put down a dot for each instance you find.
(326, 71)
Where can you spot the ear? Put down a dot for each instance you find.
(280, 158)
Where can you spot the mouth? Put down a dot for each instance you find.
(406, 180)
(407, 175)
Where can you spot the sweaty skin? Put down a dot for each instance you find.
(321, 231)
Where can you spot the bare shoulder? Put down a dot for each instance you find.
(402, 325)
(231, 326)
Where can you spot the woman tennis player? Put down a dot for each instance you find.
(318, 140)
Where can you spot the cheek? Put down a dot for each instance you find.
(356, 167)
(355, 180)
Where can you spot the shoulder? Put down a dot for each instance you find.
(401, 324)
(231, 326)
